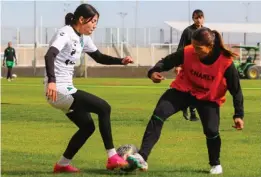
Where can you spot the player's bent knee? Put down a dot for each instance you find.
(105, 108)
(211, 134)
(158, 118)
(88, 128)
(161, 114)
(91, 128)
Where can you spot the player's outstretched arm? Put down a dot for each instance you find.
(166, 64)
(91, 49)
(109, 60)
(234, 87)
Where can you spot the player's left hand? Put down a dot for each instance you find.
(127, 60)
(239, 124)
(177, 70)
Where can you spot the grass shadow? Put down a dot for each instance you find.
(106, 172)
(19, 173)
(10, 104)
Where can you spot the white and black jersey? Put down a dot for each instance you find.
(70, 46)
(65, 49)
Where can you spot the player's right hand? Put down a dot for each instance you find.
(51, 92)
(127, 60)
(239, 124)
(156, 77)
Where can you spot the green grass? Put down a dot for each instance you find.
(34, 135)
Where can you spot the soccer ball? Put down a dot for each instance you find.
(14, 76)
(124, 151)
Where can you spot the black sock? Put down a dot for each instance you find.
(214, 145)
(105, 130)
(9, 76)
(151, 136)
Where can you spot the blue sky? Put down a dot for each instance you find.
(150, 14)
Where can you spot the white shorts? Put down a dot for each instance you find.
(64, 96)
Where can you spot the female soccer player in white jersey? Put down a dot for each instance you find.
(65, 48)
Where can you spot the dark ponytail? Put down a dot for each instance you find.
(69, 19)
(220, 43)
(86, 11)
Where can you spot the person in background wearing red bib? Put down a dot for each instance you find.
(208, 72)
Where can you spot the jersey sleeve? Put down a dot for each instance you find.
(183, 39)
(60, 39)
(5, 53)
(234, 87)
(165, 64)
(14, 54)
(89, 46)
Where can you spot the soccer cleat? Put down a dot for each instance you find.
(65, 169)
(136, 161)
(216, 170)
(116, 162)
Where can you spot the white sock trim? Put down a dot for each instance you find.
(64, 161)
(111, 152)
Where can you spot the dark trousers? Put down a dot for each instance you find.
(173, 101)
(84, 104)
(9, 73)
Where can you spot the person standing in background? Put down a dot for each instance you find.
(9, 60)
(185, 40)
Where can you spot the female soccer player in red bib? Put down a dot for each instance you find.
(208, 73)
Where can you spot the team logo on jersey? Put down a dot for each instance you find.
(73, 52)
(201, 75)
(69, 62)
(69, 88)
(62, 34)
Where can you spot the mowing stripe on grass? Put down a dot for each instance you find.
(110, 86)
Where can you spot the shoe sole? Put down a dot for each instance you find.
(121, 165)
(216, 173)
(143, 169)
(66, 171)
